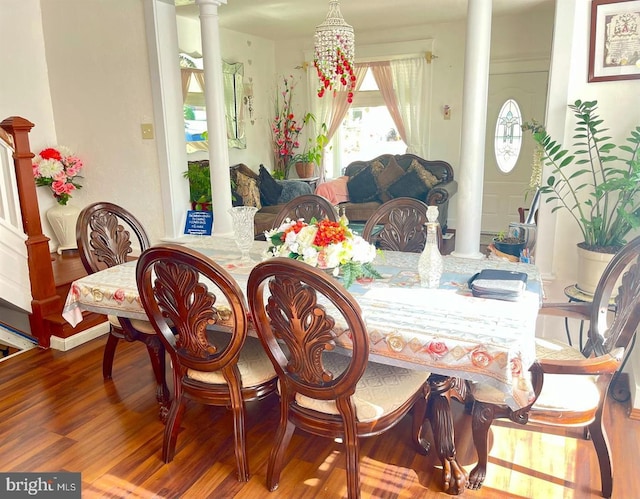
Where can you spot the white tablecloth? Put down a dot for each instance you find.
(446, 331)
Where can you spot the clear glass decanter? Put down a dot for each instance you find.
(343, 216)
(430, 263)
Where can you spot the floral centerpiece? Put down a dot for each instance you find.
(59, 169)
(285, 128)
(324, 244)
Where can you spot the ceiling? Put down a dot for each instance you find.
(288, 19)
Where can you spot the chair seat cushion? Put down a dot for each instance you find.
(560, 392)
(380, 391)
(142, 326)
(254, 366)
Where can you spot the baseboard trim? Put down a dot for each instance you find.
(92, 333)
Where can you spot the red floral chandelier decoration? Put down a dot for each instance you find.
(334, 53)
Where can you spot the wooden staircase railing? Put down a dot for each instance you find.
(45, 301)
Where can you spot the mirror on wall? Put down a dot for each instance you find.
(194, 104)
(232, 79)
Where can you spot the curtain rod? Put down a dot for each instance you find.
(429, 56)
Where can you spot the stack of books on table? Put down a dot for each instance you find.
(499, 284)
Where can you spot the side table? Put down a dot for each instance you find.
(574, 294)
(312, 181)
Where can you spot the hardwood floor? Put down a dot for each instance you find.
(56, 413)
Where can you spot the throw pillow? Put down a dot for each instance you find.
(247, 187)
(292, 189)
(409, 185)
(428, 178)
(362, 186)
(386, 176)
(270, 190)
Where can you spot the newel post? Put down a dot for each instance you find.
(44, 300)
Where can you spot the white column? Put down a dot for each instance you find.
(216, 124)
(474, 119)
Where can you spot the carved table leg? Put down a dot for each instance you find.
(454, 476)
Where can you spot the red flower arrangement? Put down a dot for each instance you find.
(285, 128)
(58, 168)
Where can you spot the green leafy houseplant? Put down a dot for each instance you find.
(312, 152)
(199, 177)
(600, 189)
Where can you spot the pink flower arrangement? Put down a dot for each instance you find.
(285, 128)
(59, 169)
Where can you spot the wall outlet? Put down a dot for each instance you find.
(147, 130)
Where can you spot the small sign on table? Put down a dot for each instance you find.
(199, 223)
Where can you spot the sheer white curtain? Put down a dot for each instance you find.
(411, 78)
(384, 79)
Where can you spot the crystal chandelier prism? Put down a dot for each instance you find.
(334, 53)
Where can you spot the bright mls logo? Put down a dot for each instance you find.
(61, 485)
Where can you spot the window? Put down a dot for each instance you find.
(368, 129)
(508, 136)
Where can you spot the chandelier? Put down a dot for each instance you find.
(334, 53)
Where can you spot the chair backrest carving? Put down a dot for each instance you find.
(291, 313)
(610, 331)
(402, 221)
(103, 235)
(307, 206)
(196, 306)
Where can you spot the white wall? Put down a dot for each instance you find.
(100, 85)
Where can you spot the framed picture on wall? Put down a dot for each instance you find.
(614, 50)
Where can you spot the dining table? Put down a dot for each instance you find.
(456, 337)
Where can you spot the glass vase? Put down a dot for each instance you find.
(243, 230)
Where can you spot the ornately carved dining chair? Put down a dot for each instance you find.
(307, 206)
(198, 311)
(398, 225)
(574, 384)
(104, 236)
(322, 391)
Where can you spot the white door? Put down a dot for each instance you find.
(505, 192)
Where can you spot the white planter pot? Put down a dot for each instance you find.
(63, 222)
(591, 265)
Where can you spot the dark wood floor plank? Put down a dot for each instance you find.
(57, 413)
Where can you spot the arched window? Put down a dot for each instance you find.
(508, 136)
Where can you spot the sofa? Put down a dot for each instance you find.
(365, 185)
(264, 192)
(249, 188)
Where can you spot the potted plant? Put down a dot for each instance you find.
(312, 154)
(599, 189)
(509, 244)
(199, 177)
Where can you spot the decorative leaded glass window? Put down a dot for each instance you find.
(508, 137)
